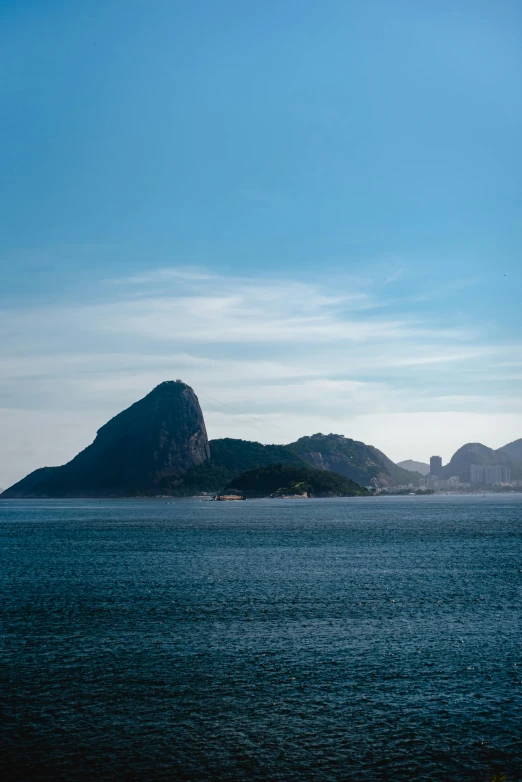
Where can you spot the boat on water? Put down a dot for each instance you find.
(229, 497)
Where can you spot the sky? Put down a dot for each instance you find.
(310, 212)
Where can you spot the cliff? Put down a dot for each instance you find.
(161, 436)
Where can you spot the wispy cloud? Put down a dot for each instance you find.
(394, 276)
(166, 274)
(237, 311)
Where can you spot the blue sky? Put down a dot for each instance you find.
(311, 212)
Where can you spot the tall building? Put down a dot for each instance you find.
(492, 474)
(476, 473)
(506, 475)
(436, 466)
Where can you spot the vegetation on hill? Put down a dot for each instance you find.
(288, 480)
(228, 459)
(352, 459)
(159, 446)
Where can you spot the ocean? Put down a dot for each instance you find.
(350, 639)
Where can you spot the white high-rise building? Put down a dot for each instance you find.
(493, 474)
(476, 473)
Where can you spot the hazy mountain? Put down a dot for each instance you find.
(280, 478)
(414, 466)
(163, 435)
(476, 453)
(353, 459)
(513, 450)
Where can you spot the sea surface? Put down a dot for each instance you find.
(354, 639)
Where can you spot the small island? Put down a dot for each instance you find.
(285, 481)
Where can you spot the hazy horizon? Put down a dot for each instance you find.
(310, 214)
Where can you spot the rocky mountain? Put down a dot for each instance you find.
(476, 453)
(513, 450)
(162, 436)
(284, 479)
(353, 459)
(413, 466)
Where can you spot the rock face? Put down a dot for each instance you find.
(353, 459)
(161, 436)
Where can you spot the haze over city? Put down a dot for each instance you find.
(308, 212)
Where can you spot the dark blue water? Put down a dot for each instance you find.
(366, 639)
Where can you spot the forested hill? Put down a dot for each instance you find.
(287, 480)
(352, 459)
(228, 459)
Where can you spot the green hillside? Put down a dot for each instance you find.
(228, 459)
(284, 479)
(334, 453)
(352, 459)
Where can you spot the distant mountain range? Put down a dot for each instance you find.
(354, 460)
(159, 446)
(414, 466)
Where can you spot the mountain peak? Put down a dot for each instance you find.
(476, 453)
(169, 385)
(353, 459)
(160, 436)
